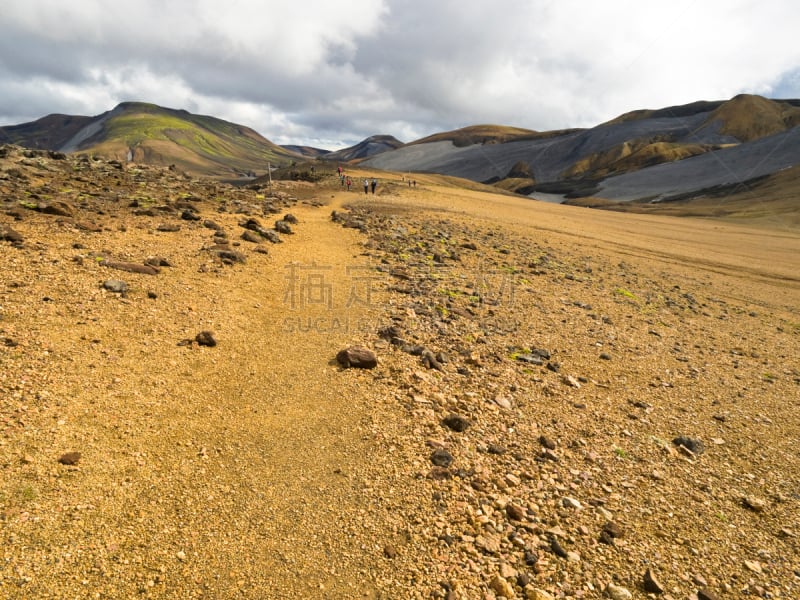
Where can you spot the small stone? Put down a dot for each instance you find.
(704, 594)
(617, 592)
(70, 458)
(568, 502)
(694, 445)
(754, 504)
(514, 512)
(502, 587)
(557, 548)
(456, 422)
(490, 544)
(441, 458)
(357, 357)
(503, 402)
(547, 442)
(613, 530)
(754, 566)
(571, 381)
(389, 551)
(206, 338)
(116, 286)
(181, 555)
(532, 593)
(651, 584)
(605, 356)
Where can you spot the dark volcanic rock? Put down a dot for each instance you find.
(651, 584)
(131, 267)
(282, 226)
(58, 208)
(206, 338)
(695, 445)
(456, 422)
(10, 235)
(357, 357)
(115, 285)
(70, 458)
(441, 458)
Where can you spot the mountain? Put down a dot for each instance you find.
(645, 155)
(306, 151)
(372, 146)
(147, 133)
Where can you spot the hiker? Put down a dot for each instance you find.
(366, 186)
(374, 184)
(349, 183)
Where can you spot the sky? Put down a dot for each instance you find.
(330, 73)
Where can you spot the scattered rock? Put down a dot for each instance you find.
(389, 551)
(206, 338)
(115, 285)
(617, 592)
(651, 584)
(547, 442)
(557, 548)
(282, 226)
(357, 357)
(502, 587)
(130, 267)
(70, 458)
(441, 458)
(456, 422)
(515, 512)
(694, 445)
(532, 593)
(754, 504)
(704, 594)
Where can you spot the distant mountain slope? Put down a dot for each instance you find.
(371, 146)
(152, 134)
(48, 133)
(642, 154)
(307, 151)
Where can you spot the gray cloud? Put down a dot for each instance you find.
(333, 73)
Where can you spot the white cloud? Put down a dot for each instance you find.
(342, 71)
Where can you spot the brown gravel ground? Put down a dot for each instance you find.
(258, 468)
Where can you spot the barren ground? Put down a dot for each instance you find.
(574, 345)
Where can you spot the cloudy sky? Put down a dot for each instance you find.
(330, 73)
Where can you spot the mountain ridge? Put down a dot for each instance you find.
(646, 155)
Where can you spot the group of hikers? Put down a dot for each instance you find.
(348, 183)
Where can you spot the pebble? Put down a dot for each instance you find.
(70, 458)
(568, 502)
(616, 592)
(502, 587)
(206, 338)
(116, 286)
(456, 422)
(651, 584)
(532, 593)
(754, 566)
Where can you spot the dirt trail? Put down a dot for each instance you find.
(213, 472)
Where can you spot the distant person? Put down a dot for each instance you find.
(374, 184)
(349, 183)
(340, 170)
(366, 186)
